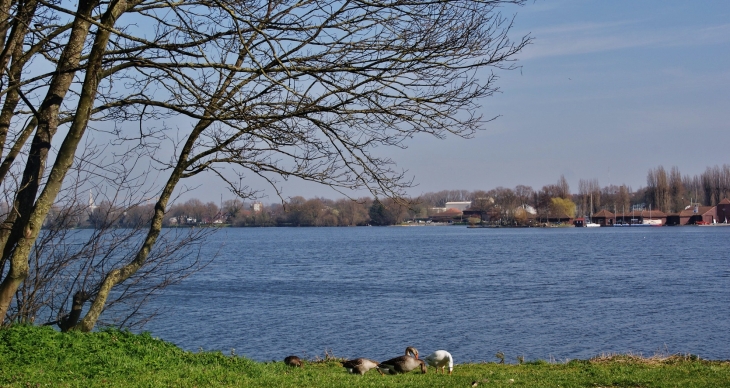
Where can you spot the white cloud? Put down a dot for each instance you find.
(715, 34)
(584, 38)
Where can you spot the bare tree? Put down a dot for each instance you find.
(589, 192)
(657, 189)
(542, 202)
(725, 181)
(273, 89)
(506, 202)
(623, 200)
(714, 183)
(524, 194)
(35, 194)
(583, 195)
(232, 208)
(693, 187)
(483, 202)
(676, 190)
(439, 199)
(609, 195)
(67, 265)
(353, 212)
(563, 188)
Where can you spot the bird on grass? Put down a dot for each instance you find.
(500, 356)
(360, 365)
(440, 359)
(403, 364)
(412, 351)
(293, 361)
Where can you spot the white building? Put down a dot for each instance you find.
(527, 208)
(92, 205)
(257, 207)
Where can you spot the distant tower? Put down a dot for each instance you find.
(92, 206)
(257, 207)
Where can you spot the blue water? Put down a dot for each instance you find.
(550, 294)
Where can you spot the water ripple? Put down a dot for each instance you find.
(542, 293)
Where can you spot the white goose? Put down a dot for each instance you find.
(439, 359)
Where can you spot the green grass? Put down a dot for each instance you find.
(41, 357)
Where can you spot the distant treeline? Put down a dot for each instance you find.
(666, 190)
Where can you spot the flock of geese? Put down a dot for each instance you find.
(439, 359)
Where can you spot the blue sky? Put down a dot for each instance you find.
(607, 90)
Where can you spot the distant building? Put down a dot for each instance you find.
(449, 215)
(92, 205)
(694, 215)
(458, 205)
(723, 211)
(603, 218)
(527, 208)
(257, 207)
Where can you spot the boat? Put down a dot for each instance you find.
(651, 222)
(590, 224)
(588, 221)
(643, 224)
(634, 222)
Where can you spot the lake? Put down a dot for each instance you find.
(550, 294)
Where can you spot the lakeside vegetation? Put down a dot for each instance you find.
(666, 190)
(40, 356)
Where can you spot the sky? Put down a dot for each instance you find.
(607, 91)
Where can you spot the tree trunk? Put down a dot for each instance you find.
(69, 321)
(24, 233)
(13, 227)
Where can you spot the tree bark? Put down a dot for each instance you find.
(69, 321)
(12, 230)
(21, 227)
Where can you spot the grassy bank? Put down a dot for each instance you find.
(38, 357)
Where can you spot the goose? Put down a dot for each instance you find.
(360, 365)
(439, 359)
(293, 361)
(403, 364)
(411, 350)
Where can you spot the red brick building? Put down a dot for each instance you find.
(604, 218)
(723, 211)
(694, 215)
